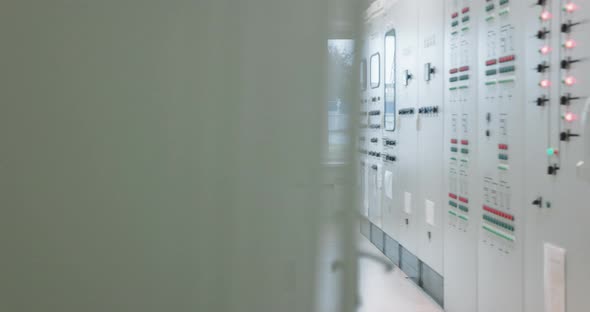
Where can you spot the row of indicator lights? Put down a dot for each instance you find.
(461, 199)
(460, 69)
(569, 43)
(499, 233)
(460, 207)
(569, 7)
(460, 216)
(568, 81)
(544, 50)
(499, 213)
(463, 142)
(499, 223)
(503, 59)
(503, 70)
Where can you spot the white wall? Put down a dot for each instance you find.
(161, 155)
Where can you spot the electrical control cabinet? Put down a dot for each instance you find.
(375, 121)
(391, 146)
(430, 109)
(461, 155)
(558, 84)
(500, 208)
(404, 15)
(489, 158)
(363, 180)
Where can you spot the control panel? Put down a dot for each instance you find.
(484, 162)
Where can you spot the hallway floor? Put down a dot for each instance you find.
(383, 291)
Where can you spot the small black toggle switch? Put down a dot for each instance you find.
(567, 27)
(542, 34)
(566, 99)
(552, 170)
(541, 2)
(566, 64)
(541, 68)
(566, 135)
(541, 100)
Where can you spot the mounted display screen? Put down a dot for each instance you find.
(389, 96)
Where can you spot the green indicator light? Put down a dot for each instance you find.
(550, 152)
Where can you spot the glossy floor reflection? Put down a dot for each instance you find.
(388, 291)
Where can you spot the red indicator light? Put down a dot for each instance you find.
(570, 7)
(570, 44)
(570, 117)
(570, 81)
(546, 15)
(545, 83)
(545, 50)
(507, 58)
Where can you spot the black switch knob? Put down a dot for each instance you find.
(542, 34)
(567, 63)
(541, 2)
(541, 100)
(538, 202)
(541, 68)
(552, 170)
(567, 27)
(566, 135)
(565, 100)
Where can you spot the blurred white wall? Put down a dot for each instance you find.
(164, 156)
